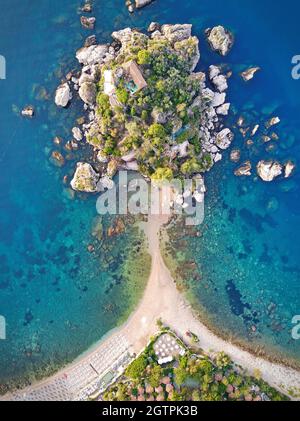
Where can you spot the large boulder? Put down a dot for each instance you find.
(249, 73)
(63, 95)
(88, 92)
(88, 23)
(268, 170)
(224, 138)
(142, 3)
(123, 36)
(220, 39)
(175, 33)
(218, 99)
(220, 83)
(289, 169)
(244, 170)
(77, 134)
(94, 54)
(85, 178)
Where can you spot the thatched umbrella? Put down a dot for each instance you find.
(166, 380)
(159, 389)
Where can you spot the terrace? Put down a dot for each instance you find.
(167, 349)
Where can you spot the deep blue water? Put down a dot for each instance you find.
(52, 292)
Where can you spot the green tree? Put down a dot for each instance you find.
(156, 130)
(223, 361)
(143, 57)
(122, 95)
(162, 174)
(137, 368)
(180, 375)
(155, 376)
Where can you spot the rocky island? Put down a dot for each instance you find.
(148, 109)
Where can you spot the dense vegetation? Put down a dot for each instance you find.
(192, 377)
(157, 117)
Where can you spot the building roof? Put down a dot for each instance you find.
(134, 71)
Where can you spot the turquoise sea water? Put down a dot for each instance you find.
(57, 298)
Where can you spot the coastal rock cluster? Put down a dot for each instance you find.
(267, 169)
(196, 136)
(136, 4)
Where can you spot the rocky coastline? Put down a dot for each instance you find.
(197, 136)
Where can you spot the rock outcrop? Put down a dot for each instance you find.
(220, 39)
(176, 33)
(289, 168)
(91, 55)
(249, 73)
(142, 3)
(28, 111)
(88, 23)
(63, 95)
(88, 92)
(244, 170)
(269, 170)
(85, 178)
(224, 138)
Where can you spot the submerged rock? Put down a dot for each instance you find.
(28, 111)
(63, 95)
(244, 169)
(87, 8)
(220, 39)
(235, 155)
(269, 170)
(249, 74)
(272, 122)
(85, 178)
(88, 23)
(57, 159)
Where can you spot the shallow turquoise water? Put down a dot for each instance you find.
(53, 294)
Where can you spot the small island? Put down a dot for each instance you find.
(149, 110)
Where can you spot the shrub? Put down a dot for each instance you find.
(144, 115)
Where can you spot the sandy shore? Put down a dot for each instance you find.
(162, 300)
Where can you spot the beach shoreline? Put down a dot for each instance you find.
(162, 300)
